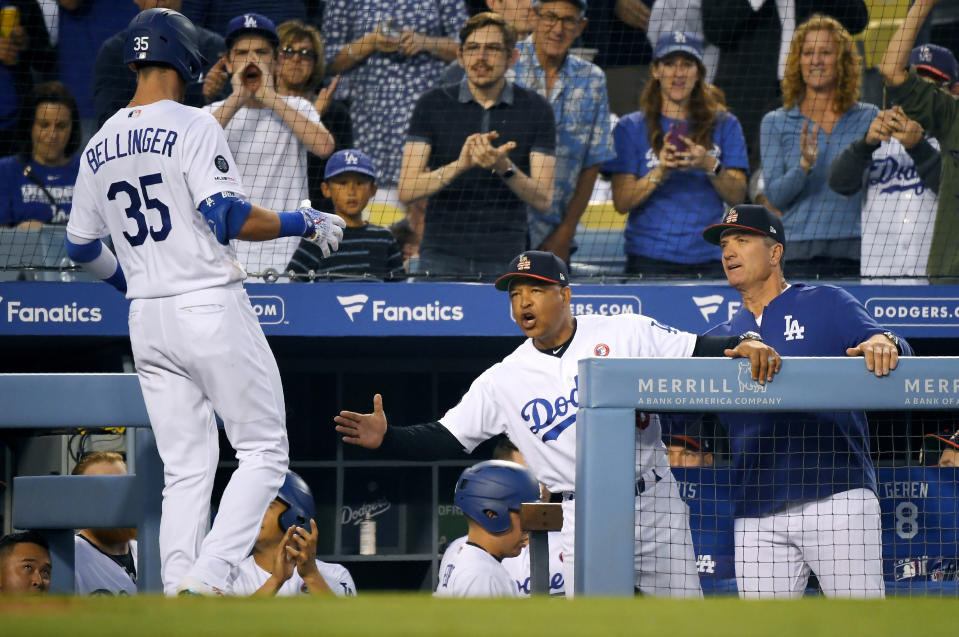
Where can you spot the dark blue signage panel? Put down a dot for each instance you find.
(445, 309)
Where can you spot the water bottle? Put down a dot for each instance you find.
(368, 536)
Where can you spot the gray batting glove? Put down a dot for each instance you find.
(323, 229)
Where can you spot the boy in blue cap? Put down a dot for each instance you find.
(366, 249)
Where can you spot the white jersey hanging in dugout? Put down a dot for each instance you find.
(130, 187)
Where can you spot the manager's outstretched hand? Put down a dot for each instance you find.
(764, 359)
(364, 430)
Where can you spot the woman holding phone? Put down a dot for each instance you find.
(678, 159)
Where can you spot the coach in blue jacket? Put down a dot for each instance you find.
(804, 484)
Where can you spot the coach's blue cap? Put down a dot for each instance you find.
(937, 61)
(535, 264)
(681, 41)
(349, 160)
(251, 24)
(749, 217)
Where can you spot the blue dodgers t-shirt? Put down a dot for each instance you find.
(22, 199)
(668, 225)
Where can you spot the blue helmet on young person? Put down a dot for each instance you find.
(497, 487)
(298, 498)
(167, 37)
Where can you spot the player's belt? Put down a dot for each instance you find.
(646, 481)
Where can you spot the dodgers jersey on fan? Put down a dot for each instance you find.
(519, 567)
(130, 187)
(782, 458)
(250, 577)
(472, 572)
(898, 214)
(533, 397)
(96, 573)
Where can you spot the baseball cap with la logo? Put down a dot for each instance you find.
(349, 160)
(535, 264)
(749, 217)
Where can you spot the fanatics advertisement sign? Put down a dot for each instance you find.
(445, 309)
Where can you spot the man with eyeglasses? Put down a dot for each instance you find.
(268, 133)
(576, 90)
(114, 84)
(482, 151)
(937, 111)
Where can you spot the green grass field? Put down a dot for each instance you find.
(383, 615)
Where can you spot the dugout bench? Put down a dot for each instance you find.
(57, 505)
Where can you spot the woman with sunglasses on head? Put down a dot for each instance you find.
(300, 72)
(36, 186)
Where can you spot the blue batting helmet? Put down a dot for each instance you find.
(165, 36)
(497, 486)
(298, 497)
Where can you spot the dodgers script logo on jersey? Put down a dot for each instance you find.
(544, 413)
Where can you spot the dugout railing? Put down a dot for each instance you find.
(612, 390)
(57, 505)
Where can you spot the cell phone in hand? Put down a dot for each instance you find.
(673, 136)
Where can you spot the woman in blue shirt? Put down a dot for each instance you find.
(36, 186)
(820, 116)
(670, 183)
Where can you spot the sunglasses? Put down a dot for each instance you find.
(303, 54)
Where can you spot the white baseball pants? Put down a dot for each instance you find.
(838, 538)
(197, 353)
(664, 557)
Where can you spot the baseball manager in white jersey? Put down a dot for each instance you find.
(533, 397)
(160, 180)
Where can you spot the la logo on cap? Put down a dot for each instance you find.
(249, 21)
(732, 217)
(351, 158)
(523, 263)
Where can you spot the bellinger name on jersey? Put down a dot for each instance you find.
(139, 140)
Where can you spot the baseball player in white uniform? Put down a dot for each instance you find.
(533, 396)
(251, 578)
(98, 573)
(284, 561)
(519, 567)
(490, 495)
(159, 178)
(105, 560)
